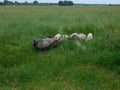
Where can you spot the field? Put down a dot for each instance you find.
(74, 65)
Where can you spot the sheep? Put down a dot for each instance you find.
(65, 37)
(74, 36)
(46, 43)
(82, 36)
(57, 36)
(89, 36)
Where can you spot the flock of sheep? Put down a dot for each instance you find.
(51, 42)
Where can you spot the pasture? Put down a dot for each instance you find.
(74, 65)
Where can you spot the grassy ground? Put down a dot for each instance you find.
(74, 65)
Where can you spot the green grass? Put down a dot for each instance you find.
(74, 65)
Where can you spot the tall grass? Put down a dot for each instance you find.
(74, 64)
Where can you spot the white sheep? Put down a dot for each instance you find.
(89, 36)
(58, 37)
(74, 36)
(65, 37)
(82, 36)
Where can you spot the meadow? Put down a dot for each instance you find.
(74, 65)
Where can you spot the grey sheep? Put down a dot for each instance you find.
(46, 43)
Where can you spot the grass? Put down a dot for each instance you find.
(74, 65)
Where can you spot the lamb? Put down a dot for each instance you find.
(74, 36)
(61, 37)
(82, 36)
(65, 37)
(58, 36)
(89, 36)
(46, 43)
